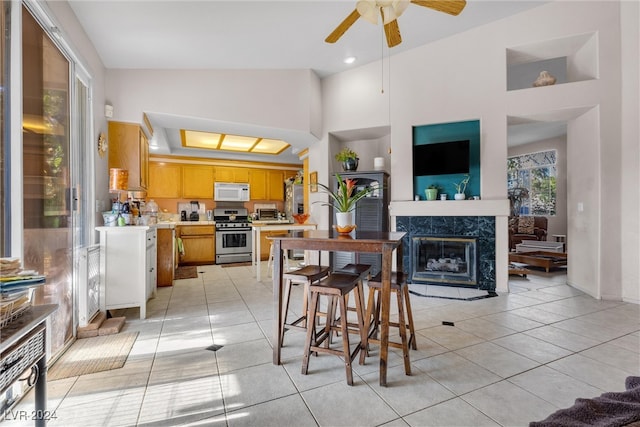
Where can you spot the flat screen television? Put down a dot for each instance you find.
(441, 158)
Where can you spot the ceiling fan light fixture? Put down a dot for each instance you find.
(368, 9)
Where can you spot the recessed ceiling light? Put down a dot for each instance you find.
(349, 59)
(235, 143)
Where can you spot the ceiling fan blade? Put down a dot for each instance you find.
(343, 27)
(452, 7)
(392, 31)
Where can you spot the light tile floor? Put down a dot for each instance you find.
(507, 360)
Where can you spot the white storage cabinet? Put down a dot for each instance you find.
(127, 267)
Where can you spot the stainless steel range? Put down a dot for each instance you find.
(233, 235)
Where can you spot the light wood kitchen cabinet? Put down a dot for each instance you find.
(258, 184)
(197, 182)
(266, 184)
(129, 149)
(275, 185)
(231, 174)
(199, 243)
(166, 252)
(165, 181)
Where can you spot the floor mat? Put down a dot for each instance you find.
(90, 355)
(186, 272)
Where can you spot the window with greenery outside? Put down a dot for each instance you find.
(537, 173)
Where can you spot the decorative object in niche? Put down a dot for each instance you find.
(544, 79)
(349, 159)
(461, 187)
(102, 144)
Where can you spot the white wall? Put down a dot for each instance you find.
(463, 77)
(630, 206)
(279, 99)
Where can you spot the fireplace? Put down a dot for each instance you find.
(467, 241)
(450, 260)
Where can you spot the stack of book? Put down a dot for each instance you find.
(16, 289)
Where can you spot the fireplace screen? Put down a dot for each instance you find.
(444, 260)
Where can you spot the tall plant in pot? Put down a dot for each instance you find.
(349, 159)
(344, 201)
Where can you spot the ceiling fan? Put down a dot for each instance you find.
(390, 10)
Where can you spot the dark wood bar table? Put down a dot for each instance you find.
(321, 240)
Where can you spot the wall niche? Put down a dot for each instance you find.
(568, 59)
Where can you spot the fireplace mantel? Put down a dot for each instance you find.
(498, 207)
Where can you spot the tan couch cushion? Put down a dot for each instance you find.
(525, 225)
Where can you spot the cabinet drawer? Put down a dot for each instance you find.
(21, 356)
(196, 230)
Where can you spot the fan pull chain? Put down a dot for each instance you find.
(382, 60)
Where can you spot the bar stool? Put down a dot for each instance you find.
(400, 287)
(364, 272)
(335, 286)
(302, 276)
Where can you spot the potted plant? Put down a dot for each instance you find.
(349, 159)
(461, 187)
(344, 200)
(431, 192)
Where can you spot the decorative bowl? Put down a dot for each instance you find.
(345, 229)
(301, 218)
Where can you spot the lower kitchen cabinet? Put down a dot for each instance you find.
(199, 244)
(166, 254)
(127, 267)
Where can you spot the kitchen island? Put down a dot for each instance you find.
(258, 227)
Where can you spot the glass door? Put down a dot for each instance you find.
(48, 196)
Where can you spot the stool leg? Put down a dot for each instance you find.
(412, 331)
(345, 340)
(305, 304)
(285, 308)
(402, 326)
(364, 330)
(311, 316)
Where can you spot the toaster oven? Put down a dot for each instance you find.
(267, 214)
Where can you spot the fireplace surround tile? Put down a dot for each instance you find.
(481, 227)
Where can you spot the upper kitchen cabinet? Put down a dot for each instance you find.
(266, 184)
(258, 183)
(275, 185)
(197, 182)
(164, 181)
(129, 149)
(231, 174)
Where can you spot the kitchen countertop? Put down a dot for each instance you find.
(259, 222)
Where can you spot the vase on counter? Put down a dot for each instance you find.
(345, 222)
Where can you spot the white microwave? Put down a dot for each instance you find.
(230, 192)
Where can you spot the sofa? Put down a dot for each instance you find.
(526, 228)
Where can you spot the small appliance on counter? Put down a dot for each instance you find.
(183, 215)
(195, 208)
(268, 214)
